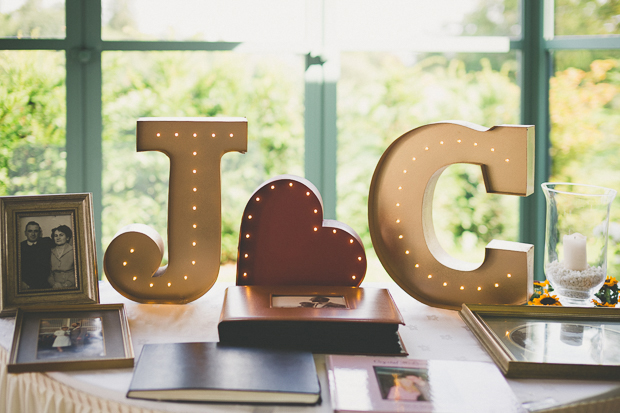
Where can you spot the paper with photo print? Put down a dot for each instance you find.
(386, 384)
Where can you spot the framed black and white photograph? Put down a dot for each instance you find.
(48, 251)
(92, 336)
(548, 342)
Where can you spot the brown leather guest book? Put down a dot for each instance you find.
(321, 319)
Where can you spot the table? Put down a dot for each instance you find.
(429, 333)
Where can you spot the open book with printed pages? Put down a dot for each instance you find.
(321, 319)
(211, 372)
(359, 384)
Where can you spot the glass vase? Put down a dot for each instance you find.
(577, 225)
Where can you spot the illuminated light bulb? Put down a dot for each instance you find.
(462, 287)
(245, 255)
(351, 241)
(430, 275)
(508, 275)
(441, 142)
(247, 235)
(194, 244)
(400, 237)
(176, 134)
(194, 153)
(245, 274)
(131, 251)
(479, 288)
(398, 221)
(316, 229)
(135, 278)
(492, 149)
(426, 149)
(458, 141)
(417, 265)
(445, 284)
(194, 135)
(405, 171)
(194, 207)
(169, 284)
(413, 159)
(213, 135)
(316, 211)
(124, 263)
(398, 204)
(307, 193)
(507, 160)
(249, 216)
(475, 143)
(353, 277)
(193, 262)
(185, 278)
(496, 285)
(407, 252)
(400, 188)
(507, 333)
(290, 184)
(359, 258)
(194, 226)
(193, 171)
(158, 135)
(231, 135)
(334, 231)
(257, 198)
(194, 189)
(151, 284)
(273, 187)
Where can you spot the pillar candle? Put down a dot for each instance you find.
(575, 257)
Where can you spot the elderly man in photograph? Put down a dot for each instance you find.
(35, 258)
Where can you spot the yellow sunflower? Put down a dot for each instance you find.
(599, 304)
(545, 299)
(541, 284)
(610, 281)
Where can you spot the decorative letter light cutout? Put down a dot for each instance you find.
(195, 147)
(284, 239)
(401, 223)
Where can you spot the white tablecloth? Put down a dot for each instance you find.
(429, 333)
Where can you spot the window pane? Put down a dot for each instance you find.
(382, 96)
(266, 89)
(585, 128)
(216, 20)
(393, 24)
(32, 122)
(32, 19)
(583, 17)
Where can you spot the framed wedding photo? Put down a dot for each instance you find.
(48, 252)
(84, 337)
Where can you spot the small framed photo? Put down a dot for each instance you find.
(84, 337)
(548, 342)
(48, 251)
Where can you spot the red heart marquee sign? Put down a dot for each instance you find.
(284, 239)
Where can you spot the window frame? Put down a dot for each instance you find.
(83, 47)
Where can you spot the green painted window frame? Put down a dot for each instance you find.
(83, 47)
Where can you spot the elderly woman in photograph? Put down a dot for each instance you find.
(63, 270)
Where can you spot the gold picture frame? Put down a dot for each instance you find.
(548, 342)
(36, 269)
(63, 338)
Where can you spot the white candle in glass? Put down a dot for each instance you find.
(575, 257)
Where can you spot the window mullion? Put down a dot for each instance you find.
(84, 119)
(534, 79)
